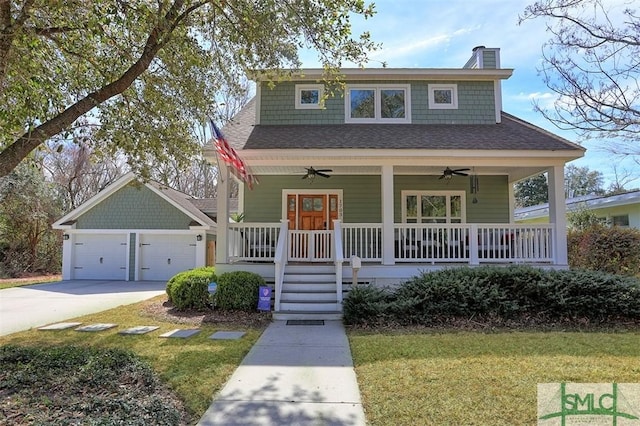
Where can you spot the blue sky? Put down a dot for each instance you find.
(442, 34)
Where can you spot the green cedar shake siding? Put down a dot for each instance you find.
(361, 196)
(476, 104)
(134, 207)
(493, 197)
(489, 59)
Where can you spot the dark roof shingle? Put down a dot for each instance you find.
(511, 134)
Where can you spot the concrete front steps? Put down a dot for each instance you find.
(309, 293)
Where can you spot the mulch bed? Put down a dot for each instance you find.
(163, 310)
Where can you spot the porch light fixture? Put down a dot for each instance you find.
(198, 237)
(65, 236)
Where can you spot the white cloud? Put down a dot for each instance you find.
(407, 49)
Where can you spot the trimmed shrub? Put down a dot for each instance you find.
(593, 294)
(503, 293)
(238, 290)
(366, 304)
(190, 289)
(608, 249)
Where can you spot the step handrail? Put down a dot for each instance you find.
(338, 258)
(280, 260)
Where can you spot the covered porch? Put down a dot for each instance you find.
(310, 265)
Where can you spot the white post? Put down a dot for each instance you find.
(67, 255)
(201, 248)
(558, 214)
(473, 245)
(222, 245)
(387, 215)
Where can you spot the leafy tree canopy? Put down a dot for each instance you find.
(592, 62)
(142, 73)
(532, 191)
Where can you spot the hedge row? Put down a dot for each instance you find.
(608, 249)
(506, 293)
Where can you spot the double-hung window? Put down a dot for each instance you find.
(378, 104)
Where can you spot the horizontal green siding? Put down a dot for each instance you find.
(361, 196)
(132, 256)
(493, 201)
(476, 104)
(134, 207)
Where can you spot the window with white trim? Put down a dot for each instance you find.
(381, 103)
(309, 96)
(621, 220)
(433, 207)
(443, 96)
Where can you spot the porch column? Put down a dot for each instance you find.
(68, 246)
(222, 246)
(386, 196)
(557, 214)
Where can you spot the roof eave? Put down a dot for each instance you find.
(352, 74)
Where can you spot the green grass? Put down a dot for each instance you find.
(472, 378)
(19, 282)
(196, 368)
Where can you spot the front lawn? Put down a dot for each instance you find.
(19, 282)
(194, 368)
(475, 378)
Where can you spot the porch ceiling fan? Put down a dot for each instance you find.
(449, 173)
(312, 173)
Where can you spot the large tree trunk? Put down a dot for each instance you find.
(12, 155)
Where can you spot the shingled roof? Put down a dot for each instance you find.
(511, 134)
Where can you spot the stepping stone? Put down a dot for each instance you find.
(60, 326)
(227, 335)
(96, 327)
(141, 329)
(180, 333)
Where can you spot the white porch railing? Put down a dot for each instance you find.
(363, 240)
(310, 246)
(339, 258)
(253, 241)
(473, 243)
(418, 243)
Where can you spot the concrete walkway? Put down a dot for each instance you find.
(293, 375)
(22, 308)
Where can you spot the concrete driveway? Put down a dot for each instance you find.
(22, 308)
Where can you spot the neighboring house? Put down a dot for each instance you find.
(616, 210)
(136, 231)
(389, 146)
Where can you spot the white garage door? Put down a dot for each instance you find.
(100, 257)
(163, 256)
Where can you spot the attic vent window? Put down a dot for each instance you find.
(443, 96)
(378, 104)
(309, 96)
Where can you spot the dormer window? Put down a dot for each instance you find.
(377, 104)
(309, 96)
(443, 96)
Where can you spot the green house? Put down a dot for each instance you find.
(405, 170)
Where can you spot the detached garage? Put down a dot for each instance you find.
(136, 232)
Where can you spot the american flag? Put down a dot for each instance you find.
(230, 156)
